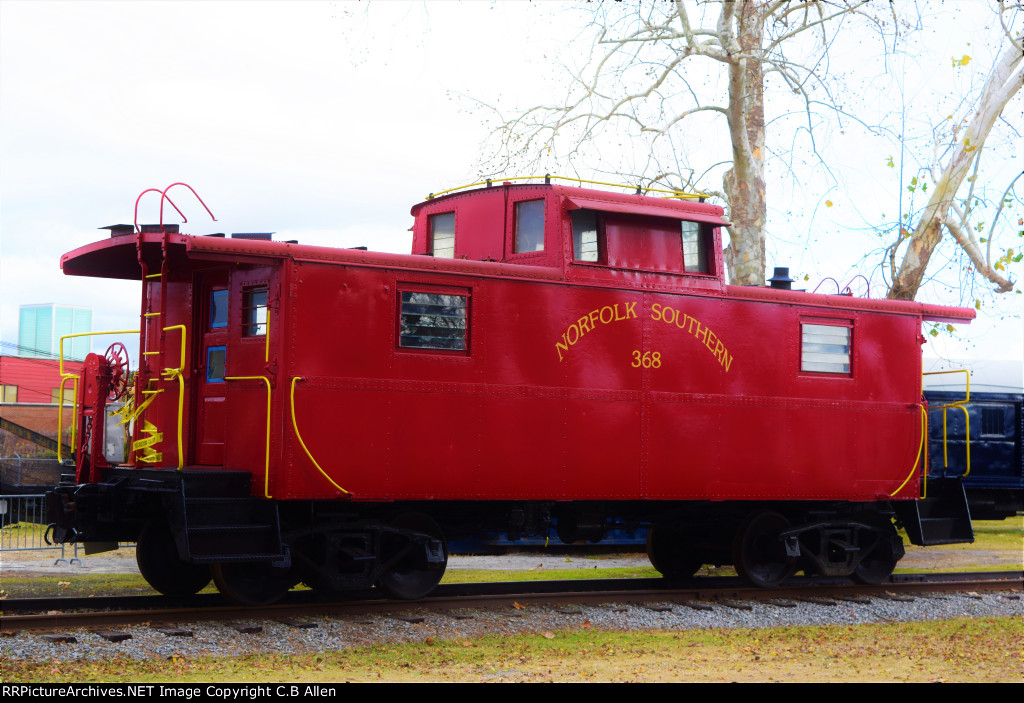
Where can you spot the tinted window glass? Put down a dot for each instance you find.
(529, 226)
(695, 259)
(254, 311)
(442, 235)
(215, 359)
(825, 348)
(584, 236)
(433, 321)
(218, 309)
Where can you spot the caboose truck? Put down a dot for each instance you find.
(547, 356)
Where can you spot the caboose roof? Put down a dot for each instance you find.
(120, 255)
(606, 201)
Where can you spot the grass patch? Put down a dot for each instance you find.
(78, 586)
(999, 534)
(961, 650)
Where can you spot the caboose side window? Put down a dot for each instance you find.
(218, 308)
(695, 255)
(432, 321)
(254, 311)
(585, 238)
(825, 348)
(529, 226)
(442, 235)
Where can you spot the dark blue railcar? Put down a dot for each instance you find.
(995, 482)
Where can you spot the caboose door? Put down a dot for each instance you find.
(211, 310)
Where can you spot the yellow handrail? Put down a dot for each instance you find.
(60, 415)
(86, 334)
(295, 425)
(917, 459)
(967, 418)
(492, 181)
(266, 474)
(184, 333)
(170, 374)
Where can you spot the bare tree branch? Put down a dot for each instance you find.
(969, 245)
(1005, 81)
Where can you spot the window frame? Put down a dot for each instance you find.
(211, 315)
(704, 240)
(514, 231)
(209, 352)
(843, 323)
(463, 292)
(69, 395)
(430, 232)
(248, 288)
(987, 415)
(602, 247)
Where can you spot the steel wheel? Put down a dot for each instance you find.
(407, 572)
(253, 583)
(886, 549)
(666, 548)
(758, 554)
(161, 566)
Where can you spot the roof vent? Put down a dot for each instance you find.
(262, 236)
(119, 230)
(781, 279)
(159, 229)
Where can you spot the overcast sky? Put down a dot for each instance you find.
(321, 121)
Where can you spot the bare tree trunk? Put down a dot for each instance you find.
(744, 183)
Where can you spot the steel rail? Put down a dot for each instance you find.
(55, 613)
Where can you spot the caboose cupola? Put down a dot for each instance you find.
(589, 234)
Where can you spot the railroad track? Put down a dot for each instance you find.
(55, 614)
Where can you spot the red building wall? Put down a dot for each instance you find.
(36, 379)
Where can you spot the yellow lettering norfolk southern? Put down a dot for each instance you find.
(591, 321)
(691, 325)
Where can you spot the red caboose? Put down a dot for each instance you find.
(547, 356)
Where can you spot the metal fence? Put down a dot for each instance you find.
(23, 525)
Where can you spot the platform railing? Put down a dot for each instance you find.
(639, 190)
(962, 405)
(65, 377)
